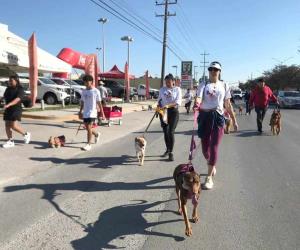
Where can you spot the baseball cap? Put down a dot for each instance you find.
(215, 65)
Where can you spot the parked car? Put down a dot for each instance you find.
(117, 89)
(51, 92)
(289, 99)
(27, 96)
(76, 89)
(141, 91)
(237, 94)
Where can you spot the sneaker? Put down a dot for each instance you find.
(208, 182)
(87, 147)
(97, 138)
(27, 137)
(8, 144)
(165, 154)
(171, 157)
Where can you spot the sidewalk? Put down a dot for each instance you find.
(71, 114)
(25, 160)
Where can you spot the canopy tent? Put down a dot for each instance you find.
(115, 73)
(14, 55)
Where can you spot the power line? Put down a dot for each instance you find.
(118, 15)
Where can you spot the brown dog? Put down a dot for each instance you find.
(240, 110)
(275, 122)
(140, 148)
(188, 186)
(57, 141)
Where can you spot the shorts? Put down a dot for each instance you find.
(89, 120)
(12, 115)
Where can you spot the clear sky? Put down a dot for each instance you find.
(244, 35)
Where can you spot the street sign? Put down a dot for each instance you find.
(186, 74)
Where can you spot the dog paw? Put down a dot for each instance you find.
(195, 219)
(188, 231)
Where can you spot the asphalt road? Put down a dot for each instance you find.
(103, 200)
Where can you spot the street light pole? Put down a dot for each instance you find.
(128, 39)
(175, 66)
(195, 66)
(99, 51)
(103, 21)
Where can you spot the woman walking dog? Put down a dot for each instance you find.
(211, 97)
(13, 96)
(169, 100)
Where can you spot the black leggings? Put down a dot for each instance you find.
(169, 129)
(260, 117)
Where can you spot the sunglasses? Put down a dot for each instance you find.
(213, 69)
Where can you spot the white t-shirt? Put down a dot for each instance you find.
(188, 97)
(103, 92)
(90, 97)
(170, 95)
(213, 95)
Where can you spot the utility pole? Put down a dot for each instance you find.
(204, 63)
(166, 15)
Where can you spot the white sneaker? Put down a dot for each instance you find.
(27, 138)
(87, 147)
(97, 138)
(208, 183)
(8, 144)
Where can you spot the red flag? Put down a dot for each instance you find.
(33, 67)
(127, 81)
(97, 71)
(147, 85)
(89, 67)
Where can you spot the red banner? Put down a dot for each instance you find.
(33, 67)
(147, 85)
(89, 67)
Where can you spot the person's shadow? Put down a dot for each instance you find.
(117, 223)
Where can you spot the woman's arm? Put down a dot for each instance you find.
(229, 109)
(12, 103)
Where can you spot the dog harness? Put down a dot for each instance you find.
(184, 169)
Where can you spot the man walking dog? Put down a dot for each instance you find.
(90, 100)
(260, 97)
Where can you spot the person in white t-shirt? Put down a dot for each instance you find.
(90, 103)
(103, 92)
(212, 96)
(188, 100)
(169, 99)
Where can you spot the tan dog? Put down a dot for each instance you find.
(275, 122)
(57, 141)
(228, 126)
(140, 148)
(188, 186)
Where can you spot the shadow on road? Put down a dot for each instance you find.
(112, 223)
(119, 222)
(92, 162)
(249, 133)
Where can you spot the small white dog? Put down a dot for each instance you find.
(140, 147)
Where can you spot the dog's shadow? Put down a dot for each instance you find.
(118, 223)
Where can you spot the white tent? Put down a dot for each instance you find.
(14, 55)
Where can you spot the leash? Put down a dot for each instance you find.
(193, 146)
(149, 123)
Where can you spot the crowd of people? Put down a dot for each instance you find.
(212, 100)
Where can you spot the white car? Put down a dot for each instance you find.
(51, 92)
(141, 90)
(289, 99)
(77, 89)
(237, 94)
